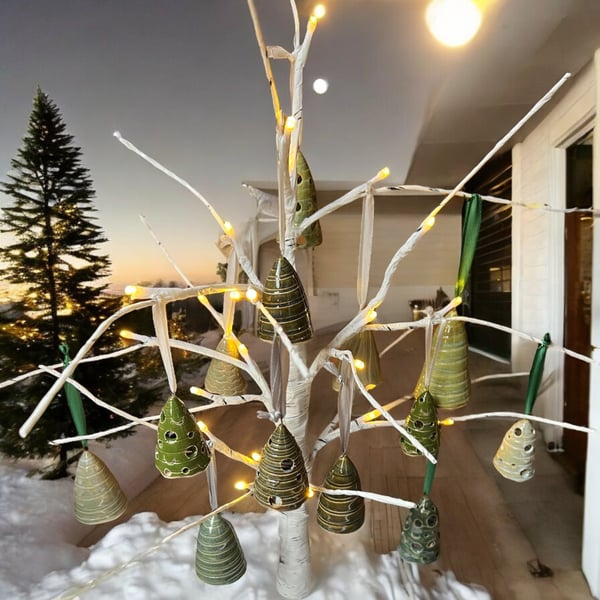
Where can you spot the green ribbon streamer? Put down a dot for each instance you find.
(429, 475)
(535, 375)
(470, 233)
(74, 400)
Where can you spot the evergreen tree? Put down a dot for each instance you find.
(53, 257)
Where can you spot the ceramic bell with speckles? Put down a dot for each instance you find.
(422, 423)
(219, 556)
(97, 495)
(420, 538)
(341, 514)
(515, 455)
(181, 449)
(224, 378)
(306, 205)
(281, 480)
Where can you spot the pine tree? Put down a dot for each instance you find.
(53, 257)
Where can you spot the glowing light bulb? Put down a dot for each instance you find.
(256, 456)
(290, 123)
(252, 295)
(371, 416)
(240, 485)
(319, 11)
(429, 223)
(385, 172)
(228, 228)
(359, 365)
(202, 426)
(447, 421)
(457, 300)
(371, 315)
(235, 295)
(125, 333)
(453, 22)
(130, 290)
(195, 390)
(202, 299)
(310, 492)
(320, 86)
(243, 350)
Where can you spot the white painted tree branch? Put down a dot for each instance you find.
(220, 446)
(218, 400)
(368, 495)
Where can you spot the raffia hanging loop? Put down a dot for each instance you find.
(97, 495)
(181, 449)
(281, 481)
(515, 455)
(422, 423)
(284, 298)
(341, 514)
(224, 378)
(306, 196)
(420, 538)
(219, 556)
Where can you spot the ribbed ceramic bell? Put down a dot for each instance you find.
(341, 514)
(450, 385)
(306, 196)
(181, 450)
(281, 481)
(364, 349)
(420, 538)
(224, 378)
(97, 495)
(514, 457)
(284, 297)
(219, 556)
(422, 423)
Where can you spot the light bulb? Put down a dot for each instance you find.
(320, 86)
(319, 11)
(359, 365)
(429, 223)
(310, 492)
(385, 172)
(130, 290)
(240, 485)
(453, 22)
(202, 426)
(252, 294)
(125, 333)
(228, 228)
(235, 295)
(256, 456)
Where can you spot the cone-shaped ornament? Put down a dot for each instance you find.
(364, 349)
(281, 480)
(514, 457)
(422, 423)
(285, 299)
(224, 378)
(420, 538)
(341, 514)
(181, 450)
(97, 496)
(450, 385)
(219, 556)
(306, 196)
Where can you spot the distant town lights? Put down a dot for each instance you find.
(453, 22)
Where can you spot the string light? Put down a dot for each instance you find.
(448, 421)
(125, 333)
(130, 290)
(228, 228)
(235, 295)
(203, 299)
(359, 365)
(453, 22)
(385, 172)
(310, 492)
(202, 426)
(371, 416)
(319, 11)
(252, 295)
(240, 485)
(290, 124)
(243, 350)
(371, 315)
(196, 391)
(256, 456)
(429, 223)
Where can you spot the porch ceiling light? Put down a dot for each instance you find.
(453, 22)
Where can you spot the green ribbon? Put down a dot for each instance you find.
(470, 233)
(535, 375)
(429, 475)
(74, 399)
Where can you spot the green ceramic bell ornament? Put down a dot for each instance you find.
(283, 296)
(97, 496)
(219, 556)
(306, 204)
(224, 378)
(366, 357)
(422, 423)
(181, 449)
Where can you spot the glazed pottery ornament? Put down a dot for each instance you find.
(306, 205)
(514, 457)
(281, 481)
(422, 423)
(97, 496)
(420, 538)
(224, 378)
(364, 349)
(181, 450)
(450, 384)
(219, 556)
(284, 298)
(341, 514)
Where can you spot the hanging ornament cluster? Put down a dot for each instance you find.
(420, 539)
(366, 357)
(341, 514)
(222, 377)
(306, 205)
(422, 423)
(283, 296)
(181, 449)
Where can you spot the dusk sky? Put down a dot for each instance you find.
(183, 80)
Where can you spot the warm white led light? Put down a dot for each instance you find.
(453, 22)
(320, 86)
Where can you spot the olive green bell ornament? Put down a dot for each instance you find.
(222, 377)
(306, 205)
(181, 449)
(514, 458)
(97, 496)
(283, 296)
(422, 423)
(281, 480)
(420, 538)
(219, 556)
(342, 514)
(366, 359)
(450, 383)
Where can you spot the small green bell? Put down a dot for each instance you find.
(420, 538)
(224, 378)
(181, 450)
(284, 297)
(514, 457)
(422, 423)
(281, 481)
(97, 496)
(341, 514)
(366, 360)
(219, 556)
(306, 196)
